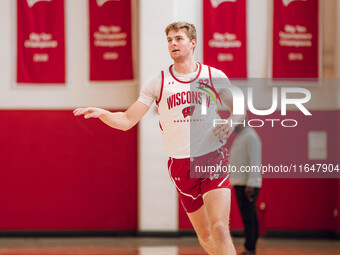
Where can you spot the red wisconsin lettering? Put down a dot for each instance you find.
(194, 97)
(199, 97)
(189, 97)
(178, 99)
(183, 101)
(208, 100)
(171, 101)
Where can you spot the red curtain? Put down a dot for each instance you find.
(110, 40)
(40, 41)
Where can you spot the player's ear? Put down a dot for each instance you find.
(193, 43)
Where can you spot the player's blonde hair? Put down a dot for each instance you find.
(188, 28)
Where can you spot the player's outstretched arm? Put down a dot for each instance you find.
(119, 120)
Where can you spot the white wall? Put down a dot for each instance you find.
(157, 198)
(78, 91)
(158, 201)
(257, 30)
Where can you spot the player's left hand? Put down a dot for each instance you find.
(223, 131)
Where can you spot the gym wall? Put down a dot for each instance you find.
(60, 172)
(65, 173)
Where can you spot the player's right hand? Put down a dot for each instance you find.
(223, 131)
(89, 112)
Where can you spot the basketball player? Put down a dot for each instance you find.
(207, 200)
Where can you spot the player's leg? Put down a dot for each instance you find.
(217, 204)
(191, 200)
(199, 220)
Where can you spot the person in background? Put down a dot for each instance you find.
(245, 154)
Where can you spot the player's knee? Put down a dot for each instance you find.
(205, 239)
(220, 231)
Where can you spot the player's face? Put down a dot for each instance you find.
(179, 45)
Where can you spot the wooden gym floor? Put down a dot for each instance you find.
(155, 246)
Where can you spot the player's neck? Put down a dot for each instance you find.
(185, 66)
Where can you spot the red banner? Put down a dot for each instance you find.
(40, 41)
(224, 36)
(110, 40)
(295, 39)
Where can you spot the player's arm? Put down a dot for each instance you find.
(223, 85)
(224, 131)
(254, 150)
(118, 120)
(233, 118)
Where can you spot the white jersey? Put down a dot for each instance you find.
(186, 131)
(246, 151)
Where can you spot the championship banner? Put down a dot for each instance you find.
(296, 39)
(224, 36)
(110, 40)
(40, 41)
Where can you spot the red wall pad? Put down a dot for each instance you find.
(293, 204)
(59, 172)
